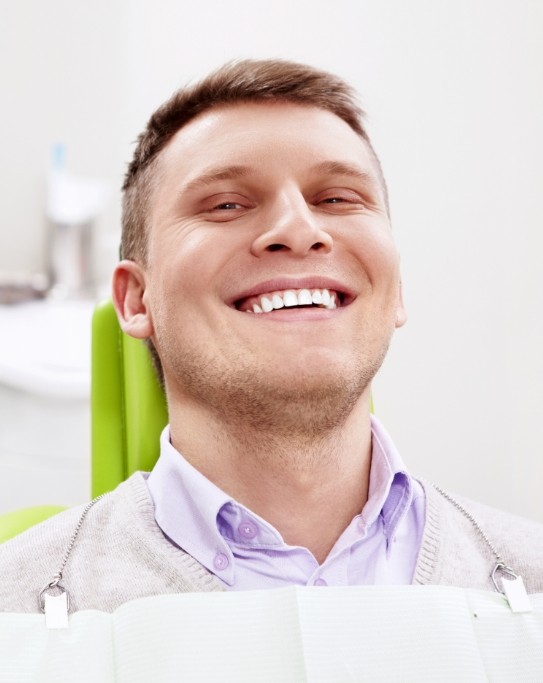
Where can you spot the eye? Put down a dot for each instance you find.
(342, 198)
(225, 201)
(227, 206)
(334, 200)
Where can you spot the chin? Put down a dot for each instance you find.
(318, 380)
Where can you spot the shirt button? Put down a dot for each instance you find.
(221, 561)
(248, 530)
(320, 582)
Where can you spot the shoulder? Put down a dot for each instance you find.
(455, 550)
(30, 560)
(119, 554)
(518, 541)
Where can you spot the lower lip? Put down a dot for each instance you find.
(296, 314)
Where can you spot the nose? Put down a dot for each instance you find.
(291, 226)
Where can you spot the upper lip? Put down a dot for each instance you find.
(284, 283)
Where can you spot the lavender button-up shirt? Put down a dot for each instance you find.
(379, 546)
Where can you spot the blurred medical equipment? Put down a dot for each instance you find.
(73, 204)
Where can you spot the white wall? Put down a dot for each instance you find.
(60, 75)
(454, 95)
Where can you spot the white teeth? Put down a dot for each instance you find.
(277, 301)
(316, 297)
(266, 304)
(290, 298)
(304, 298)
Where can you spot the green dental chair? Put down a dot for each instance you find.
(13, 523)
(128, 407)
(128, 412)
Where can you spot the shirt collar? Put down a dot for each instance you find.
(199, 517)
(187, 505)
(390, 490)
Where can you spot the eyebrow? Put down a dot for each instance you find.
(214, 175)
(235, 172)
(345, 169)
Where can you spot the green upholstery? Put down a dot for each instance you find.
(128, 406)
(13, 523)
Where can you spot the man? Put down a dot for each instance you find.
(258, 263)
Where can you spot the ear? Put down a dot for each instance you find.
(401, 315)
(129, 299)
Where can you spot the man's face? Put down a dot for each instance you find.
(261, 206)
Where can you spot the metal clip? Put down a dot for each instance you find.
(513, 588)
(55, 604)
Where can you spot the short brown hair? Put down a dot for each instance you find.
(240, 81)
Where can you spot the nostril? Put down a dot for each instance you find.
(278, 247)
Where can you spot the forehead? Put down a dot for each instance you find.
(261, 134)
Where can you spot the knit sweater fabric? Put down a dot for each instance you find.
(121, 554)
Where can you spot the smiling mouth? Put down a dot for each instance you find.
(292, 298)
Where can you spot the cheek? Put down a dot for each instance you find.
(180, 268)
(380, 260)
(183, 294)
(193, 254)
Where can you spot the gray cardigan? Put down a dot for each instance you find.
(121, 554)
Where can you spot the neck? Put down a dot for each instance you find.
(307, 482)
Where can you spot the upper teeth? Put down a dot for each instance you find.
(290, 298)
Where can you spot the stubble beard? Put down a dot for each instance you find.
(258, 405)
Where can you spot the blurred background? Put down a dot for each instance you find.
(453, 92)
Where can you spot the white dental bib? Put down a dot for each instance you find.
(328, 635)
